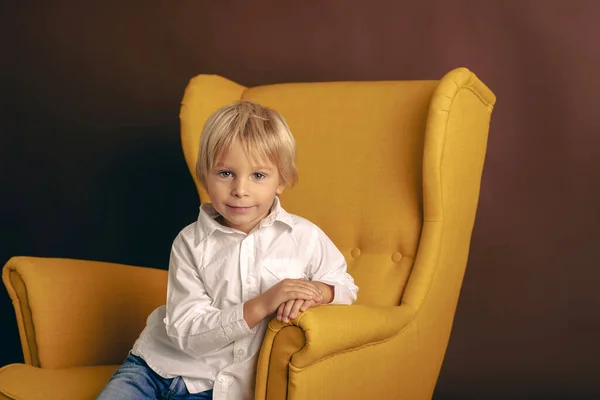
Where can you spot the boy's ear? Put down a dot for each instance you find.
(280, 188)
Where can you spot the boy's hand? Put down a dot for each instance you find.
(267, 303)
(290, 289)
(291, 308)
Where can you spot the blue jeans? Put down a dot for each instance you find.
(136, 380)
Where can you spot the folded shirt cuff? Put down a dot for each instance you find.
(233, 323)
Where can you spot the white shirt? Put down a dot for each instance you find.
(201, 334)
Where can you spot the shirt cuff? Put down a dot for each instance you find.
(233, 323)
(341, 294)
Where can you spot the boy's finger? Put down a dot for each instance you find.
(296, 308)
(306, 305)
(315, 287)
(297, 283)
(280, 311)
(301, 293)
(287, 309)
(308, 291)
(295, 294)
(314, 290)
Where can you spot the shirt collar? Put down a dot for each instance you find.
(207, 223)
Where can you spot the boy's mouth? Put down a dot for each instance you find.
(238, 208)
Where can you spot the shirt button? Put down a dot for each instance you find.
(240, 352)
(250, 280)
(225, 380)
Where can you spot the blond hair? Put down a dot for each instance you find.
(261, 131)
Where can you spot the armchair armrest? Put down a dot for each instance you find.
(76, 313)
(333, 329)
(319, 334)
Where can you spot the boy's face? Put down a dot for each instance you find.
(241, 192)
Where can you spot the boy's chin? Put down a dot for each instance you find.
(237, 222)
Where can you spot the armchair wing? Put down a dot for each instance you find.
(394, 351)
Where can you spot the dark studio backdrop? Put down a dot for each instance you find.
(91, 164)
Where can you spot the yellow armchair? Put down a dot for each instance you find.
(391, 172)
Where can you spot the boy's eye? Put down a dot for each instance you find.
(258, 176)
(225, 174)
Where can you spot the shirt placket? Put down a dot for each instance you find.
(221, 387)
(250, 288)
(250, 281)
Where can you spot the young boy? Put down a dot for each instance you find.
(243, 260)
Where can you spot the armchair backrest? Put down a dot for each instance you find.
(387, 169)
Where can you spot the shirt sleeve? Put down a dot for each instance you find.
(327, 265)
(192, 323)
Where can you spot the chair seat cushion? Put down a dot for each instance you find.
(25, 382)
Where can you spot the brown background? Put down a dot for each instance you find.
(92, 168)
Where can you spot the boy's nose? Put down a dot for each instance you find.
(239, 188)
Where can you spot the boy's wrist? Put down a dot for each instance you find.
(327, 291)
(254, 311)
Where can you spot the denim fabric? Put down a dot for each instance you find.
(136, 380)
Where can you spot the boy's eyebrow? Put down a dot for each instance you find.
(263, 167)
(255, 168)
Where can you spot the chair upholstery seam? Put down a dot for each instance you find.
(28, 338)
(10, 395)
(26, 347)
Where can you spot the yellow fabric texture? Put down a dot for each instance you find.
(23, 381)
(391, 172)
